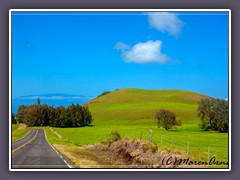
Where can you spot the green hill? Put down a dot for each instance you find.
(138, 106)
(131, 112)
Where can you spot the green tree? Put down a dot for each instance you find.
(104, 93)
(57, 121)
(14, 121)
(166, 119)
(44, 115)
(72, 113)
(38, 101)
(21, 113)
(37, 115)
(51, 115)
(78, 115)
(65, 117)
(86, 116)
(213, 114)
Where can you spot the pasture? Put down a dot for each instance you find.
(131, 113)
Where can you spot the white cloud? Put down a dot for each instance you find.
(121, 46)
(145, 52)
(165, 22)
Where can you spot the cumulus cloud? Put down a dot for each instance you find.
(166, 22)
(121, 46)
(145, 52)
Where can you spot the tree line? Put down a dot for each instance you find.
(44, 115)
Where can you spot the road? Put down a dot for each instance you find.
(34, 151)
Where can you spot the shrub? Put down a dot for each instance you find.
(150, 146)
(114, 136)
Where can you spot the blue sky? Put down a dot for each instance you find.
(88, 53)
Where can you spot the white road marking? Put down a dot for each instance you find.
(57, 151)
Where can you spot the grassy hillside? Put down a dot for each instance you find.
(131, 106)
(131, 112)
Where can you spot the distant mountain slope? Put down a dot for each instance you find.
(54, 96)
(139, 105)
(56, 99)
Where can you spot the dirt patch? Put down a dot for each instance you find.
(56, 133)
(84, 158)
(22, 126)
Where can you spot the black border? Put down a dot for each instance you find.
(5, 5)
(128, 169)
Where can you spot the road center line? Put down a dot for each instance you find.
(25, 143)
(23, 136)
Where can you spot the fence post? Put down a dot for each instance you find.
(150, 135)
(161, 141)
(172, 142)
(187, 149)
(208, 154)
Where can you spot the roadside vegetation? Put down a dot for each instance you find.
(14, 127)
(19, 131)
(81, 156)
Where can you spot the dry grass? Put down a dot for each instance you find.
(133, 153)
(22, 126)
(83, 157)
(56, 133)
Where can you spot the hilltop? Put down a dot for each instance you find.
(130, 106)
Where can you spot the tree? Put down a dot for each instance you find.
(166, 119)
(51, 115)
(86, 116)
(78, 115)
(22, 110)
(44, 115)
(104, 93)
(14, 121)
(38, 100)
(213, 114)
(57, 121)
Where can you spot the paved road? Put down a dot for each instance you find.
(34, 151)
(29, 136)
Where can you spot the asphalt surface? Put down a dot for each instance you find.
(17, 143)
(34, 151)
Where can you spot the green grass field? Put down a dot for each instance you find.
(17, 132)
(131, 112)
(14, 127)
